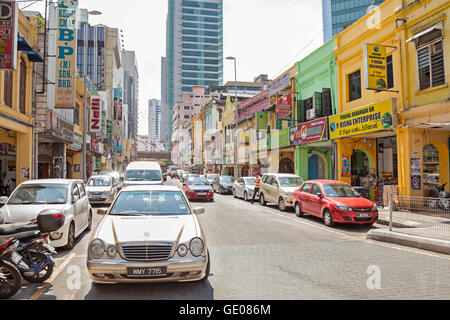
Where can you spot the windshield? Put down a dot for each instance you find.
(40, 194)
(197, 181)
(99, 182)
(339, 191)
(250, 181)
(143, 175)
(150, 203)
(212, 176)
(226, 179)
(291, 181)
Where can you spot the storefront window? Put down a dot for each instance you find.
(430, 170)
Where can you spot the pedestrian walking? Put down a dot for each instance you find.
(6, 183)
(257, 186)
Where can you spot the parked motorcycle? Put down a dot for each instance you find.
(443, 202)
(10, 278)
(31, 255)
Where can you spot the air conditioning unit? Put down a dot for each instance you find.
(311, 114)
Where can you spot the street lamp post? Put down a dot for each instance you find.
(236, 119)
(85, 115)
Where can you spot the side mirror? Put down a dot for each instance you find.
(199, 211)
(102, 212)
(3, 200)
(320, 196)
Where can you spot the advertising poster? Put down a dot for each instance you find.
(284, 107)
(375, 67)
(118, 100)
(8, 35)
(372, 118)
(346, 167)
(416, 174)
(66, 55)
(261, 121)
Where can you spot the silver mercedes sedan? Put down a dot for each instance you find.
(149, 234)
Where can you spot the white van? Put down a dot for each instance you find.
(143, 173)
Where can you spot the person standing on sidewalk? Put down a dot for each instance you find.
(257, 186)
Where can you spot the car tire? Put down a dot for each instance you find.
(298, 210)
(89, 228)
(70, 237)
(245, 196)
(281, 205)
(370, 225)
(328, 218)
(262, 201)
(208, 269)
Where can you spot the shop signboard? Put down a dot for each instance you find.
(279, 139)
(66, 54)
(416, 174)
(8, 35)
(77, 142)
(118, 99)
(94, 145)
(372, 118)
(261, 121)
(95, 124)
(284, 107)
(309, 132)
(375, 67)
(279, 84)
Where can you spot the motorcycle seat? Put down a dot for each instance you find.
(15, 228)
(22, 236)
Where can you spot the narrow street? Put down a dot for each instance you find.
(260, 253)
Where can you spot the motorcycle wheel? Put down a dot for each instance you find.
(44, 274)
(10, 280)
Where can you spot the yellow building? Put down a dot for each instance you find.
(16, 117)
(424, 128)
(364, 128)
(228, 124)
(198, 144)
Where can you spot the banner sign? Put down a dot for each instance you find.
(95, 125)
(118, 99)
(282, 136)
(94, 145)
(66, 55)
(284, 107)
(375, 67)
(309, 132)
(279, 84)
(77, 142)
(8, 35)
(372, 118)
(261, 121)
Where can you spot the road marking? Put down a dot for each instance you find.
(47, 283)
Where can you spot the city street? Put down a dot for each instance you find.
(260, 253)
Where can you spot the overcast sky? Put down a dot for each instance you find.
(266, 37)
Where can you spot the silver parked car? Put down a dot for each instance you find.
(34, 196)
(102, 189)
(149, 234)
(279, 188)
(244, 188)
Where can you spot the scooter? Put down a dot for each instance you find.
(443, 202)
(10, 278)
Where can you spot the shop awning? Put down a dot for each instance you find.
(421, 33)
(23, 44)
(33, 56)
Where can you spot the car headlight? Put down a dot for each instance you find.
(97, 248)
(196, 247)
(111, 251)
(343, 207)
(182, 250)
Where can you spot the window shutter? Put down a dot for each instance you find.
(423, 59)
(327, 104)
(300, 108)
(437, 65)
(318, 103)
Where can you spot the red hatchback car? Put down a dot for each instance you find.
(334, 202)
(198, 188)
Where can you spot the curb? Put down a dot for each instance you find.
(394, 224)
(435, 245)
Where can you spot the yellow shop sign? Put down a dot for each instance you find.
(371, 118)
(375, 67)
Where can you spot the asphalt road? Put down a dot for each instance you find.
(260, 253)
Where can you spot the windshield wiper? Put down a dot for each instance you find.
(128, 214)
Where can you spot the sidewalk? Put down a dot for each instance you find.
(423, 231)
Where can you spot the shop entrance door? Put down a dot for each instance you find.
(360, 167)
(316, 168)
(286, 166)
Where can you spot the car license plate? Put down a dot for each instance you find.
(202, 194)
(16, 258)
(364, 215)
(147, 272)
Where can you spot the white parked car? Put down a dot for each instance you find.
(149, 234)
(32, 197)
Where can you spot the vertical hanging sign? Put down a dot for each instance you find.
(65, 84)
(118, 99)
(96, 115)
(8, 35)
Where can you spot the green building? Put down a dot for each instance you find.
(316, 83)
